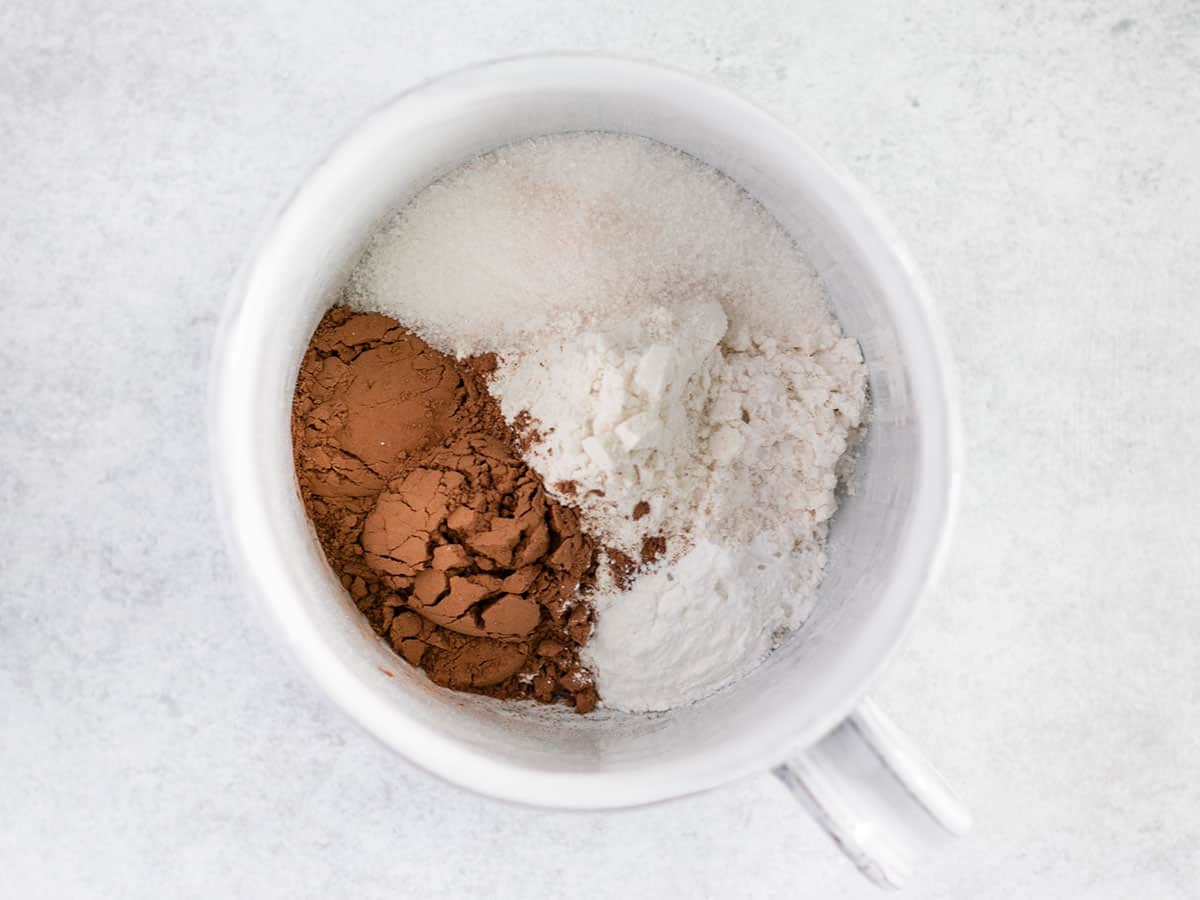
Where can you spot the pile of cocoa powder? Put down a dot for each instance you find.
(446, 540)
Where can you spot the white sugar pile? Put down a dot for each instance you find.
(548, 235)
(678, 356)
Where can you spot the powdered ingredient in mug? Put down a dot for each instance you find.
(668, 353)
(445, 539)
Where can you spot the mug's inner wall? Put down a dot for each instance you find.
(804, 678)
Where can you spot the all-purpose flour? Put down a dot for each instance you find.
(668, 424)
(675, 354)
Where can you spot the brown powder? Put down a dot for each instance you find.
(653, 548)
(445, 539)
(621, 566)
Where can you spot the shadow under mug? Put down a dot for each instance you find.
(803, 713)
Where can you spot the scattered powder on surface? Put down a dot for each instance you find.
(669, 358)
(445, 539)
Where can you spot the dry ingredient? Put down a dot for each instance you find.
(676, 424)
(685, 628)
(445, 539)
(723, 444)
(669, 358)
(550, 236)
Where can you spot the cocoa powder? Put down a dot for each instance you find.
(445, 539)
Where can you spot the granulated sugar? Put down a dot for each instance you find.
(681, 375)
(552, 234)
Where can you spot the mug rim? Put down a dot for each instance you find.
(260, 561)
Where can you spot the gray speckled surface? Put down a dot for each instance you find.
(1043, 162)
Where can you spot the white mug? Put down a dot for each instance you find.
(803, 713)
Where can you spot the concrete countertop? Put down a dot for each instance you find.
(1042, 162)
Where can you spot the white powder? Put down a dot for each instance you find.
(779, 421)
(716, 433)
(685, 629)
(678, 356)
(732, 443)
(539, 237)
(621, 415)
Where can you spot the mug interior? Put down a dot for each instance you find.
(883, 539)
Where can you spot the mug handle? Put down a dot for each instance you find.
(876, 795)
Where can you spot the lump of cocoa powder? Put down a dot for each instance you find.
(445, 539)
(486, 548)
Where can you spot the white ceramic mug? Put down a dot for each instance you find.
(803, 713)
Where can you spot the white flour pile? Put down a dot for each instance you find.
(677, 357)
